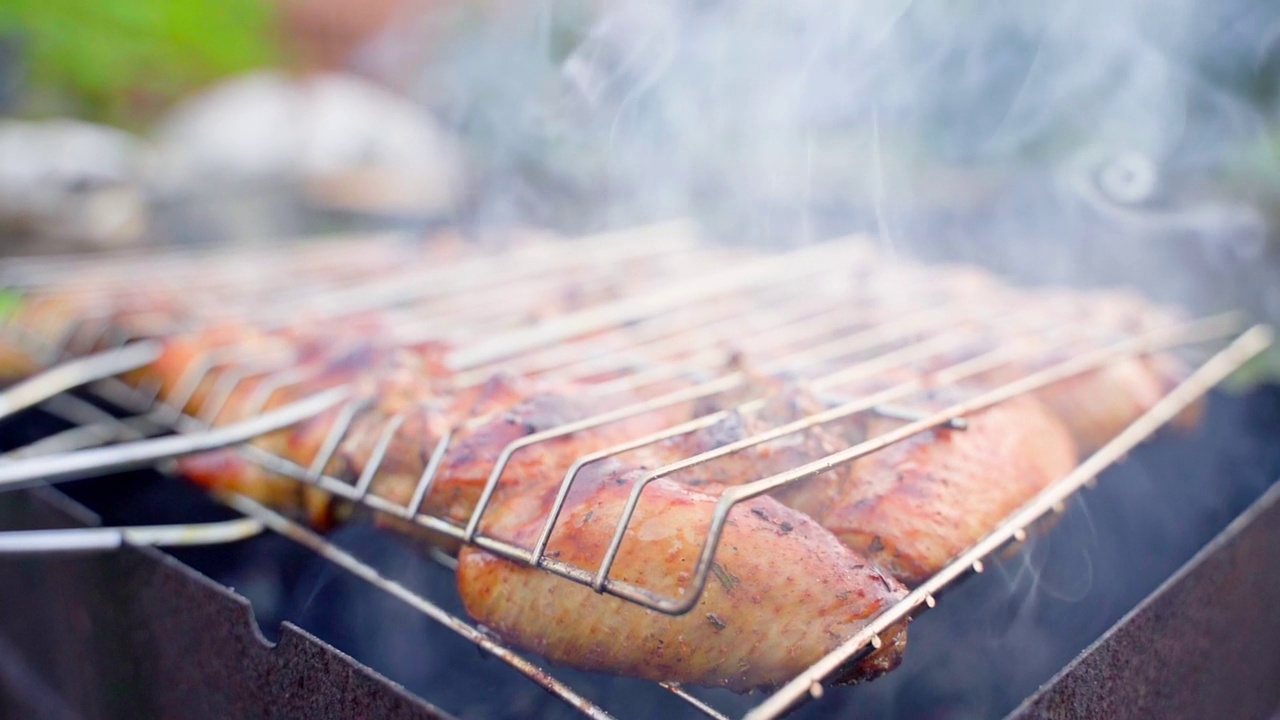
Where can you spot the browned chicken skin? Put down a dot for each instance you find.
(784, 592)
(401, 380)
(779, 558)
(918, 503)
(1098, 405)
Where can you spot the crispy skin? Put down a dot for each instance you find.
(785, 403)
(1097, 406)
(401, 381)
(1094, 406)
(914, 505)
(785, 593)
(507, 410)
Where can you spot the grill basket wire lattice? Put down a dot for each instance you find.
(631, 316)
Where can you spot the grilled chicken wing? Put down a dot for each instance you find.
(916, 504)
(1095, 406)
(403, 381)
(477, 423)
(1098, 405)
(784, 592)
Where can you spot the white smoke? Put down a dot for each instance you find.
(1061, 141)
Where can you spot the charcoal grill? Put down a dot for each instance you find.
(656, 330)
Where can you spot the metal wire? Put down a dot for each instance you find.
(693, 700)
(20, 473)
(110, 538)
(73, 374)
(40, 470)
(636, 322)
(743, 276)
(1152, 341)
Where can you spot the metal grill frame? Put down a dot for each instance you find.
(1013, 529)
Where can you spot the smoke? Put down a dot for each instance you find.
(1048, 140)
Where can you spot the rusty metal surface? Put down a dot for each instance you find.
(1205, 644)
(135, 633)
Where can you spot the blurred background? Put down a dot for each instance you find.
(1130, 140)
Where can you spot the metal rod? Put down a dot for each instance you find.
(92, 426)
(679, 691)
(909, 414)
(35, 471)
(141, 399)
(449, 280)
(261, 395)
(75, 373)
(362, 570)
(428, 474)
(793, 312)
(80, 437)
(333, 439)
(1214, 371)
(77, 343)
(109, 538)
(378, 455)
(77, 411)
(188, 383)
(224, 387)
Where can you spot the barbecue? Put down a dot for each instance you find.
(642, 455)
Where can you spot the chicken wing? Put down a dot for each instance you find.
(784, 592)
(916, 504)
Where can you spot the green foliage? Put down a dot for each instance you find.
(117, 60)
(9, 301)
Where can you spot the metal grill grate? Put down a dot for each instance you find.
(649, 309)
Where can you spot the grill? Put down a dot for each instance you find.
(633, 316)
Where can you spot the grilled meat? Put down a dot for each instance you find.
(478, 422)
(916, 504)
(784, 592)
(403, 381)
(796, 574)
(810, 576)
(1097, 405)
(470, 461)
